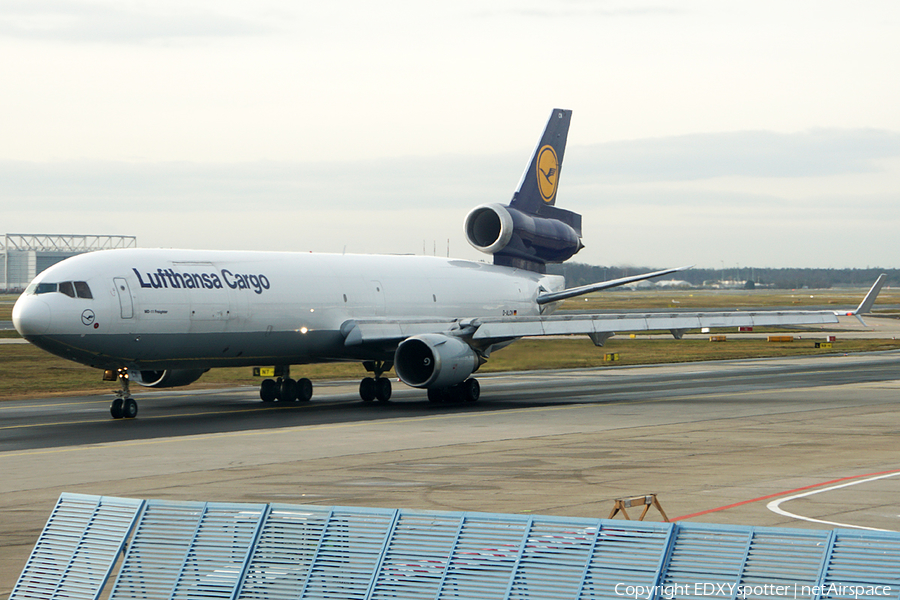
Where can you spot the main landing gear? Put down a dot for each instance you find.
(285, 389)
(467, 391)
(123, 406)
(378, 387)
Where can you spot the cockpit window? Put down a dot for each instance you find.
(67, 288)
(72, 289)
(45, 288)
(81, 287)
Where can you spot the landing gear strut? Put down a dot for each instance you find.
(286, 389)
(378, 387)
(123, 406)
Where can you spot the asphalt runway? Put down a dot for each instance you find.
(727, 442)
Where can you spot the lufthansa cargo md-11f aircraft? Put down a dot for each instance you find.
(164, 317)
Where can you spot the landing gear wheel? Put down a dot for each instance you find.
(288, 390)
(470, 390)
(129, 408)
(438, 395)
(467, 391)
(115, 409)
(383, 389)
(367, 389)
(123, 405)
(268, 390)
(304, 390)
(378, 387)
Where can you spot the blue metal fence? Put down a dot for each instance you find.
(195, 550)
(75, 554)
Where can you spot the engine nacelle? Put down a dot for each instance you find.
(507, 232)
(489, 227)
(434, 360)
(166, 379)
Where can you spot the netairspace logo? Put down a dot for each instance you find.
(734, 590)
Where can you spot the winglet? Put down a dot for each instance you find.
(866, 305)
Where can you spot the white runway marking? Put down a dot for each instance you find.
(775, 505)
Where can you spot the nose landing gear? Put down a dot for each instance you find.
(123, 405)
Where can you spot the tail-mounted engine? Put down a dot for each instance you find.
(434, 360)
(531, 232)
(519, 239)
(166, 379)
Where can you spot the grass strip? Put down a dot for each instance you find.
(27, 371)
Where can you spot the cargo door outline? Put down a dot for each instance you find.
(211, 309)
(126, 305)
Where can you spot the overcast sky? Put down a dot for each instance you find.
(755, 133)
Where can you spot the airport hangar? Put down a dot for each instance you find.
(24, 255)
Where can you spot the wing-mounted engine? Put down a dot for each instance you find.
(434, 360)
(520, 239)
(166, 379)
(531, 232)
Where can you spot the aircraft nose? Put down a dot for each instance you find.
(31, 316)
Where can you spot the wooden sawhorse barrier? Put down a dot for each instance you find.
(645, 501)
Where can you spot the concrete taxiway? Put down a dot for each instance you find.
(717, 440)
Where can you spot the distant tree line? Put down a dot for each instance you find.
(581, 274)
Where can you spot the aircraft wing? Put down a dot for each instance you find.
(602, 326)
(387, 331)
(598, 326)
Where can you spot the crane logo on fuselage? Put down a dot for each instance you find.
(547, 173)
(168, 278)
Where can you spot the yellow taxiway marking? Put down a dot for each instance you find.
(425, 417)
(256, 432)
(166, 416)
(42, 406)
(355, 424)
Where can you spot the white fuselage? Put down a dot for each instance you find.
(200, 309)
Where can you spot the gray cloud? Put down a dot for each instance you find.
(390, 183)
(748, 153)
(451, 181)
(396, 205)
(116, 22)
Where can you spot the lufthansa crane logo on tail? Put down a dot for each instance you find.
(547, 173)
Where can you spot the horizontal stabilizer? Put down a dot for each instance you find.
(603, 285)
